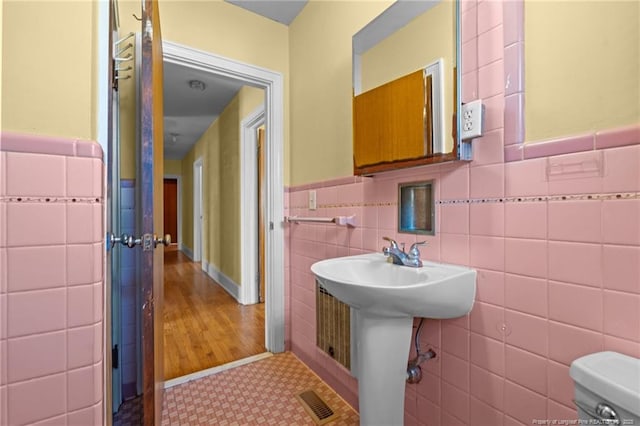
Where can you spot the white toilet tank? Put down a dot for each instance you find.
(607, 388)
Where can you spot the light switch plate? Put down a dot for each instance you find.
(472, 119)
(312, 200)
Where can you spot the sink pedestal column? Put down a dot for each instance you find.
(383, 352)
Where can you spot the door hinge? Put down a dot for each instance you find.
(114, 357)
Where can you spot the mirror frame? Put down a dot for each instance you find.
(406, 10)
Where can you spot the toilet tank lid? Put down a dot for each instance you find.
(611, 375)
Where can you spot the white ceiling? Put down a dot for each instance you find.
(283, 11)
(188, 112)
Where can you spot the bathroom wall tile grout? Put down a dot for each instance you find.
(71, 350)
(533, 325)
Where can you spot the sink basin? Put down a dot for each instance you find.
(369, 282)
(385, 298)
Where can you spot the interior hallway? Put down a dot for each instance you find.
(203, 325)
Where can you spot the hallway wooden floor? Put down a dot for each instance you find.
(203, 325)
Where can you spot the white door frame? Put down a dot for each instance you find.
(179, 179)
(197, 212)
(273, 84)
(248, 206)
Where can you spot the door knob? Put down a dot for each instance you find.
(130, 241)
(125, 240)
(166, 240)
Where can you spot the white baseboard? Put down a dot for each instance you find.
(186, 250)
(227, 283)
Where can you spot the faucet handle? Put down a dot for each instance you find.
(391, 241)
(414, 251)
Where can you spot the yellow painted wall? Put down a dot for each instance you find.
(48, 67)
(582, 67)
(220, 28)
(321, 87)
(421, 42)
(220, 148)
(173, 167)
(228, 168)
(250, 99)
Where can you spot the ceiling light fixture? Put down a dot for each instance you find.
(197, 85)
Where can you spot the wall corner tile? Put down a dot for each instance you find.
(513, 19)
(514, 69)
(514, 119)
(559, 146)
(80, 384)
(628, 135)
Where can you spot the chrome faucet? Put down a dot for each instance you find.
(399, 256)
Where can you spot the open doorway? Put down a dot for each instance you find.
(210, 316)
(271, 84)
(172, 202)
(197, 211)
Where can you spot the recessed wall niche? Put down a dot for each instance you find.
(416, 212)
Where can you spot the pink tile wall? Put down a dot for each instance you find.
(51, 281)
(555, 240)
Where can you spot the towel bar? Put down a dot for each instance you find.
(338, 220)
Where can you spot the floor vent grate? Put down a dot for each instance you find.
(316, 407)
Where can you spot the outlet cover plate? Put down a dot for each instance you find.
(472, 119)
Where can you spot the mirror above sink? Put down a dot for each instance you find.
(406, 86)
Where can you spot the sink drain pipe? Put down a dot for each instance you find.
(414, 371)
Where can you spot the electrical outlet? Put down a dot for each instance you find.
(312, 200)
(472, 119)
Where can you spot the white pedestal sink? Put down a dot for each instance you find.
(387, 297)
